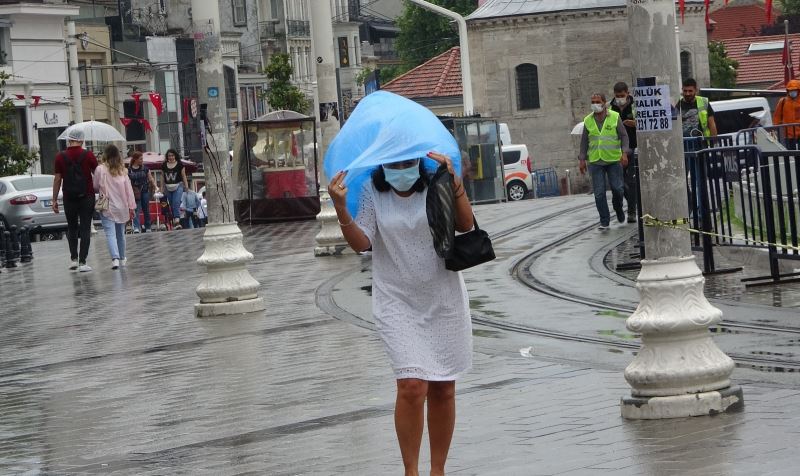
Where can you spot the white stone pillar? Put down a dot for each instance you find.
(330, 240)
(227, 288)
(679, 371)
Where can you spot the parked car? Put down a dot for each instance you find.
(517, 171)
(25, 200)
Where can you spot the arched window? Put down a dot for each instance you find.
(527, 86)
(686, 65)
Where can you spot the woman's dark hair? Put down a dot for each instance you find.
(173, 151)
(379, 179)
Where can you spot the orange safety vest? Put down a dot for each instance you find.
(787, 112)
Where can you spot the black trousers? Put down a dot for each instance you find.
(79, 213)
(631, 184)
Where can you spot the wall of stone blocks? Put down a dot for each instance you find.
(576, 55)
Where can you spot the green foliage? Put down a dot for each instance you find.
(282, 94)
(723, 69)
(389, 72)
(789, 7)
(362, 76)
(425, 34)
(15, 159)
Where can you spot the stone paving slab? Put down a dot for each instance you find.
(109, 373)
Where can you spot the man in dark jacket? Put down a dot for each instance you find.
(73, 170)
(623, 105)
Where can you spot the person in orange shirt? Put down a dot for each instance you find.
(788, 112)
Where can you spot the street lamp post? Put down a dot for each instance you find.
(227, 288)
(330, 240)
(679, 371)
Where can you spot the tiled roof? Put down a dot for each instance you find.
(760, 67)
(736, 21)
(438, 77)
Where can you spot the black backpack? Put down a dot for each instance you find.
(74, 182)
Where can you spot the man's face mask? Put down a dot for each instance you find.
(402, 175)
(597, 108)
(621, 101)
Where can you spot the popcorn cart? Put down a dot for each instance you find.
(274, 168)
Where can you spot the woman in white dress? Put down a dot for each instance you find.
(421, 309)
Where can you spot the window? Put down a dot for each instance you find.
(230, 87)
(344, 55)
(356, 53)
(527, 86)
(239, 12)
(83, 77)
(273, 10)
(511, 157)
(5, 45)
(135, 131)
(96, 73)
(252, 103)
(686, 65)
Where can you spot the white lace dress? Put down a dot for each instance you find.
(421, 309)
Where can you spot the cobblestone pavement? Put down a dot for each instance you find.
(109, 373)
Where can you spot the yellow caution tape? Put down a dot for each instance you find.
(650, 220)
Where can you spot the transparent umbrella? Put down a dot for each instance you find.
(94, 131)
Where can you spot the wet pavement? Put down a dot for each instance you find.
(109, 372)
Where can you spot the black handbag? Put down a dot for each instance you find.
(470, 249)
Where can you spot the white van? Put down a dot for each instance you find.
(733, 115)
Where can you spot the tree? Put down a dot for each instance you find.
(723, 69)
(425, 34)
(282, 94)
(790, 7)
(15, 159)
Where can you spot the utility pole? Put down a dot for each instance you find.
(227, 288)
(74, 78)
(679, 371)
(330, 240)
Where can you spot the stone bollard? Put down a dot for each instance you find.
(25, 248)
(11, 262)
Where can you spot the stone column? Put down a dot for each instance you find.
(679, 371)
(330, 240)
(227, 287)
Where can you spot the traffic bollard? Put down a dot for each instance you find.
(25, 248)
(9, 245)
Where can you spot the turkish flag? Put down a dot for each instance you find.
(36, 100)
(146, 125)
(125, 121)
(21, 97)
(786, 59)
(682, 8)
(137, 99)
(708, 7)
(768, 6)
(155, 99)
(186, 111)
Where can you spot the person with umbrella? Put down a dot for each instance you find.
(73, 171)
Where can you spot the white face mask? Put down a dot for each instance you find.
(793, 94)
(597, 108)
(621, 101)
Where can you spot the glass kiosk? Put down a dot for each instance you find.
(479, 141)
(274, 168)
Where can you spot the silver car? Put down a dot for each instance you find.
(26, 200)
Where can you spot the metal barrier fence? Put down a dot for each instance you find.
(742, 196)
(786, 134)
(545, 183)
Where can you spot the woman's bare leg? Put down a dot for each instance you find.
(441, 421)
(409, 420)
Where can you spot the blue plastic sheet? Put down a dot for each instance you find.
(385, 128)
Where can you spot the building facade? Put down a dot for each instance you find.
(33, 54)
(536, 69)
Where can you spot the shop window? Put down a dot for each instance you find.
(527, 86)
(239, 12)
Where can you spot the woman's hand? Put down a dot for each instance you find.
(445, 160)
(338, 190)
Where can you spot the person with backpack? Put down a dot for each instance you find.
(73, 175)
